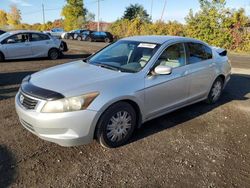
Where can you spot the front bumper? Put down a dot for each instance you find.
(65, 129)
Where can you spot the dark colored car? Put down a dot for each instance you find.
(73, 35)
(99, 36)
(2, 32)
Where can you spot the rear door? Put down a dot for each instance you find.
(200, 69)
(40, 44)
(17, 46)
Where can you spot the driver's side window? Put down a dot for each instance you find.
(19, 38)
(173, 56)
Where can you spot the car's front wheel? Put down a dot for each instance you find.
(116, 125)
(54, 54)
(89, 39)
(79, 38)
(215, 91)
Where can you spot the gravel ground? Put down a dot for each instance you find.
(198, 146)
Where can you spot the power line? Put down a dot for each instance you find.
(164, 7)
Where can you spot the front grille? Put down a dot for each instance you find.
(27, 102)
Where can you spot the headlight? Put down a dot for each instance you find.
(69, 104)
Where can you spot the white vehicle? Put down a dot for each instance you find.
(29, 44)
(56, 32)
(110, 94)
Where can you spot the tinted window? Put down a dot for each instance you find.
(38, 37)
(173, 56)
(198, 52)
(208, 52)
(103, 34)
(96, 33)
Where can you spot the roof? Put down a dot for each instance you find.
(158, 39)
(24, 31)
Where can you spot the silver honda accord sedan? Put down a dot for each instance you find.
(110, 94)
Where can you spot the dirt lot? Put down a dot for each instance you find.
(198, 146)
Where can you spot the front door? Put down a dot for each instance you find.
(166, 92)
(17, 46)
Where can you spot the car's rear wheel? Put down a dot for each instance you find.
(1, 57)
(54, 54)
(116, 125)
(107, 40)
(215, 91)
(79, 38)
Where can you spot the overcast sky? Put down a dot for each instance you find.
(111, 9)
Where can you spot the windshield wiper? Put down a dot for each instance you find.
(107, 66)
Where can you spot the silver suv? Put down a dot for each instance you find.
(110, 94)
(29, 44)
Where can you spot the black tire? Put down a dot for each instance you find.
(71, 37)
(89, 39)
(102, 132)
(79, 38)
(1, 57)
(217, 86)
(53, 54)
(107, 40)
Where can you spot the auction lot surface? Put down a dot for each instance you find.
(198, 146)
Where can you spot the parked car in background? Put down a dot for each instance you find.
(75, 35)
(30, 44)
(97, 36)
(113, 92)
(56, 32)
(2, 32)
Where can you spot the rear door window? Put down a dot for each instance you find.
(197, 52)
(38, 37)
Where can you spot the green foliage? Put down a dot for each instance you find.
(124, 27)
(74, 14)
(3, 18)
(217, 25)
(136, 11)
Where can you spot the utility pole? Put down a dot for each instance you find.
(98, 16)
(162, 14)
(151, 10)
(43, 14)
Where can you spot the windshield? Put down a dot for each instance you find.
(125, 56)
(3, 36)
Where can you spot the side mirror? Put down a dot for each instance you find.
(163, 70)
(10, 41)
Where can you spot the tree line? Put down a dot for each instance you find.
(214, 23)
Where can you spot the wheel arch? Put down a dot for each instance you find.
(2, 55)
(130, 101)
(52, 48)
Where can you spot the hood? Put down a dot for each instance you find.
(73, 76)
